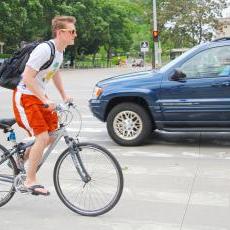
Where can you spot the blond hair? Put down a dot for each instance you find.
(59, 22)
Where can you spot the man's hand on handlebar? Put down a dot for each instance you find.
(50, 105)
(58, 107)
(68, 99)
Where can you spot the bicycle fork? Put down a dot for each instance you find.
(74, 153)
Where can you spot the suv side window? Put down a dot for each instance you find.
(214, 62)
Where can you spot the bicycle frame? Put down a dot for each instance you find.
(59, 134)
(74, 151)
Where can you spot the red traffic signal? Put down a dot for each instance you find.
(155, 36)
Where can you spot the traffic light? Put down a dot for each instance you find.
(155, 36)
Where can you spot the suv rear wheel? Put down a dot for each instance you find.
(129, 124)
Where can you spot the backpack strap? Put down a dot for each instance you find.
(49, 62)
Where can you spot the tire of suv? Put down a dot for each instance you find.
(129, 124)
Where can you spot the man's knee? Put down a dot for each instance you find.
(51, 140)
(43, 139)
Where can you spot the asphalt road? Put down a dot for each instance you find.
(176, 181)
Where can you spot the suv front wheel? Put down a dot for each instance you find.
(129, 124)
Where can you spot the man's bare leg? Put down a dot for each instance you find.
(27, 152)
(35, 155)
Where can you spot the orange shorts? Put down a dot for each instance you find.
(32, 116)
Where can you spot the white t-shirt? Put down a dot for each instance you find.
(38, 57)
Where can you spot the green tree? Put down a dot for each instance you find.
(119, 26)
(32, 28)
(193, 19)
(13, 17)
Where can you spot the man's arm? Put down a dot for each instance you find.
(59, 85)
(29, 75)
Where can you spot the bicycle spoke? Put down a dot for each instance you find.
(71, 179)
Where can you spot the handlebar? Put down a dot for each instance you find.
(60, 107)
(67, 112)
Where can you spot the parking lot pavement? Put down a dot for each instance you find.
(176, 181)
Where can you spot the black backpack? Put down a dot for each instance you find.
(12, 68)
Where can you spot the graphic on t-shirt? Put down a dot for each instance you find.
(51, 73)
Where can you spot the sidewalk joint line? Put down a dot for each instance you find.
(193, 182)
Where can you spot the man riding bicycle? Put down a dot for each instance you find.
(30, 96)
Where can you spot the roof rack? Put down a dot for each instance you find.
(221, 39)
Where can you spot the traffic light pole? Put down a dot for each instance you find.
(156, 52)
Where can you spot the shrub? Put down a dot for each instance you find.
(5, 55)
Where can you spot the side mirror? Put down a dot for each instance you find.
(178, 75)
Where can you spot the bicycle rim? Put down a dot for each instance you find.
(8, 171)
(99, 195)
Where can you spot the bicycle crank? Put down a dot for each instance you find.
(19, 182)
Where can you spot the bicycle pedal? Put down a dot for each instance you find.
(27, 192)
(34, 194)
(24, 192)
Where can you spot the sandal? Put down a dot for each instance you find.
(33, 191)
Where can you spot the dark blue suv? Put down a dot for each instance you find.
(191, 93)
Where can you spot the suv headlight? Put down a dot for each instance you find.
(97, 92)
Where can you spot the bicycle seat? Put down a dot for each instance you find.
(7, 123)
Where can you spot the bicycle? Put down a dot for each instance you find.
(87, 177)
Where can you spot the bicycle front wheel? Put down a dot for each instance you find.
(101, 193)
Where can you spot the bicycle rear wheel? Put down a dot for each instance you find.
(101, 193)
(8, 171)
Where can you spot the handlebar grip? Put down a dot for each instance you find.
(45, 105)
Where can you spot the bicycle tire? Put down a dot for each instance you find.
(88, 163)
(5, 165)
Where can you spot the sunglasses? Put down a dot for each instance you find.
(70, 31)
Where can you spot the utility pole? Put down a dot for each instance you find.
(156, 52)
